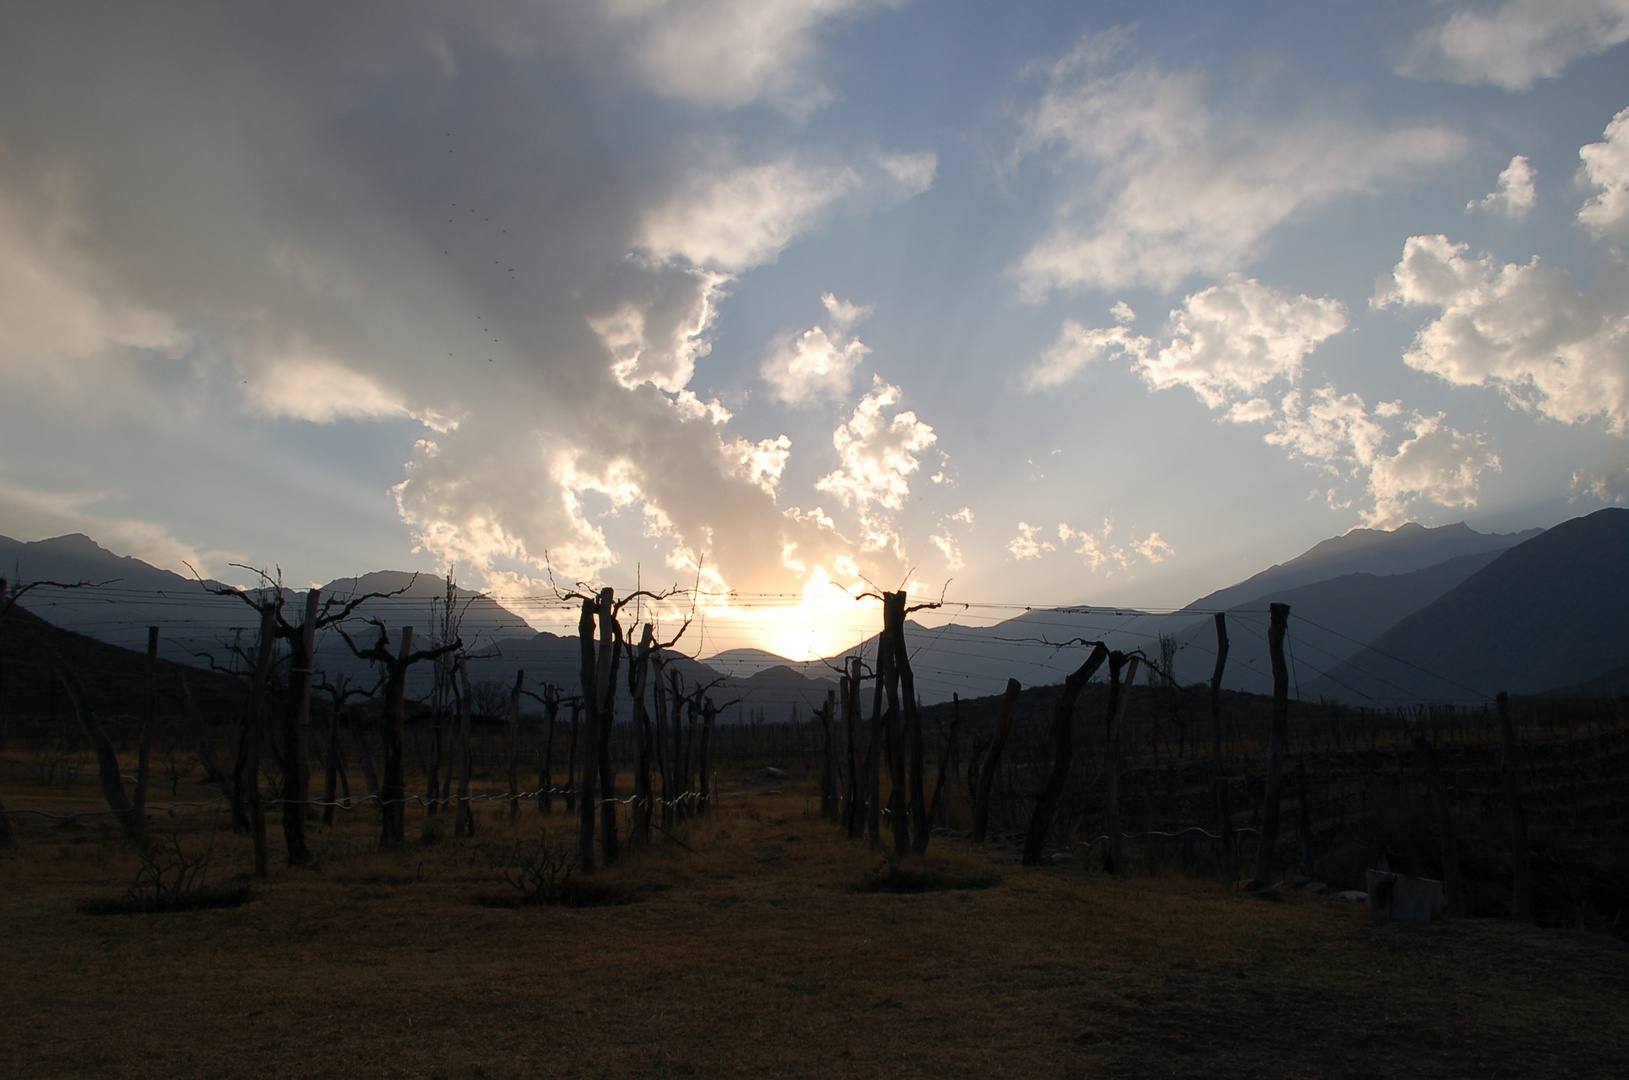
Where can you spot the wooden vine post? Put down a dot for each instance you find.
(853, 821)
(830, 779)
(107, 759)
(1063, 741)
(1122, 674)
(1221, 790)
(874, 751)
(297, 734)
(639, 663)
(248, 779)
(545, 755)
(396, 662)
(922, 828)
(334, 778)
(148, 726)
(992, 762)
(610, 658)
(588, 790)
(894, 734)
(514, 746)
(939, 810)
(1278, 624)
(659, 709)
(464, 819)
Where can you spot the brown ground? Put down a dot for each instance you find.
(754, 956)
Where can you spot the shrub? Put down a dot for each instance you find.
(541, 872)
(170, 880)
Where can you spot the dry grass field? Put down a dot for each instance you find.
(754, 954)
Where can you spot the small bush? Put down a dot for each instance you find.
(170, 880)
(541, 873)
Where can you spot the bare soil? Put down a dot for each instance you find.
(756, 955)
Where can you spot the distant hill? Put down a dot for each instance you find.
(114, 678)
(1402, 550)
(130, 595)
(546, 657)
(1547, 613)
(1329, 622)
(1343, 592)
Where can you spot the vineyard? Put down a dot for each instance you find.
(1190, 843)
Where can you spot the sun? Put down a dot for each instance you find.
(823, 620)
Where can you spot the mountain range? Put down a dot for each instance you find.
(1377, 618)
(122, 596)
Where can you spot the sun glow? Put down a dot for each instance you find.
(824, 620)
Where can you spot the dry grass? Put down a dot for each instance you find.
(756, 955)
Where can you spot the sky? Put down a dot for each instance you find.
(1026, 303)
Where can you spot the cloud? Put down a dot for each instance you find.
(945, 540)
(1232, 339)
(1608, 483)
(1159, 188)
(1526, 329)
(200, 189)
(729, 53)
(1437, 465)
(1027, 545)
(763, 461)
(912, 173)
(1333, 430)
(305, 386)
(1338, 433)
(735, 219)
(1515, 195)
(35, 515)
(1225, 342)
(658, 335)
(818, 364)
(1606, 166)
(61, 314)
(877, 455)
(1517, 43)
(1093, 546)
(1240, 347)
(1080, 346)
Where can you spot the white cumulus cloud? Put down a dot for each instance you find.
(1526, 329)
(1099, 554)
(1606, 165)
(1516, 43)
(1515, 195)
(1232, 339)
(1436, 465)
(877, 454)
(1224, 343)
(818, 364)
(1161, 188)
(1028, 544)
(1240, 347)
